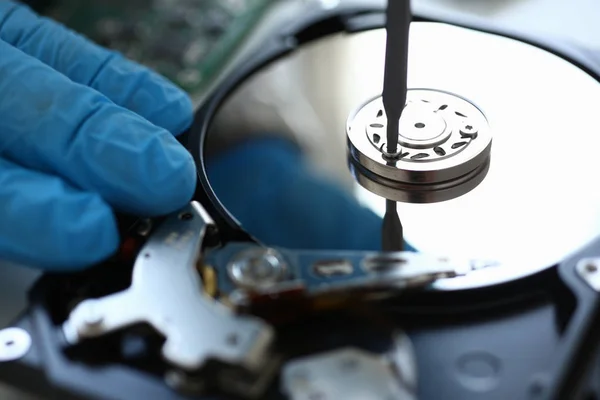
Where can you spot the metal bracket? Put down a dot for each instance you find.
(166, 292)
(261, 271)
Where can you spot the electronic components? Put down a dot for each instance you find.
(188, 41)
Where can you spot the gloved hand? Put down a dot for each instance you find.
(267, 185)
(82, 132)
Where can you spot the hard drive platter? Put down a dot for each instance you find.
(536, 205)
(271, 282)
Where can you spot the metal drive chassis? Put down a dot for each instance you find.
(535, 338)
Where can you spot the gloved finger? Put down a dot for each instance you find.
(53, 125)
(47, 223)
(122, 81)
(267, 186)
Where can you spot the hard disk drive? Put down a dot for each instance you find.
(493, 296)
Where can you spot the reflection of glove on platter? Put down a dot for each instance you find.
(82, 131)
(278, 198)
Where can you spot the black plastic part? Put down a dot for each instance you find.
(535, 338)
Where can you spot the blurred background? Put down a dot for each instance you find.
(193, 41)
(196, 42)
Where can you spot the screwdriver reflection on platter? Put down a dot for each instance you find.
(398, 17)
(392, 235)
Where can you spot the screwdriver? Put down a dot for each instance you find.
(398, 18)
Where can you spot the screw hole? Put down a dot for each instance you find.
(591, 268)
(419, 125)
(186, 216)
(9, 343)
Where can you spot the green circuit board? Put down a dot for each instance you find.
(188, 41)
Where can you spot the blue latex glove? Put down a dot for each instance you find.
(82, 132)
(267, 186)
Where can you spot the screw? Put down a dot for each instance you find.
(186, 216)
(591, 267)
(256, 267)
(468, 131)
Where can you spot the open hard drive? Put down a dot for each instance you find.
(492, 180)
